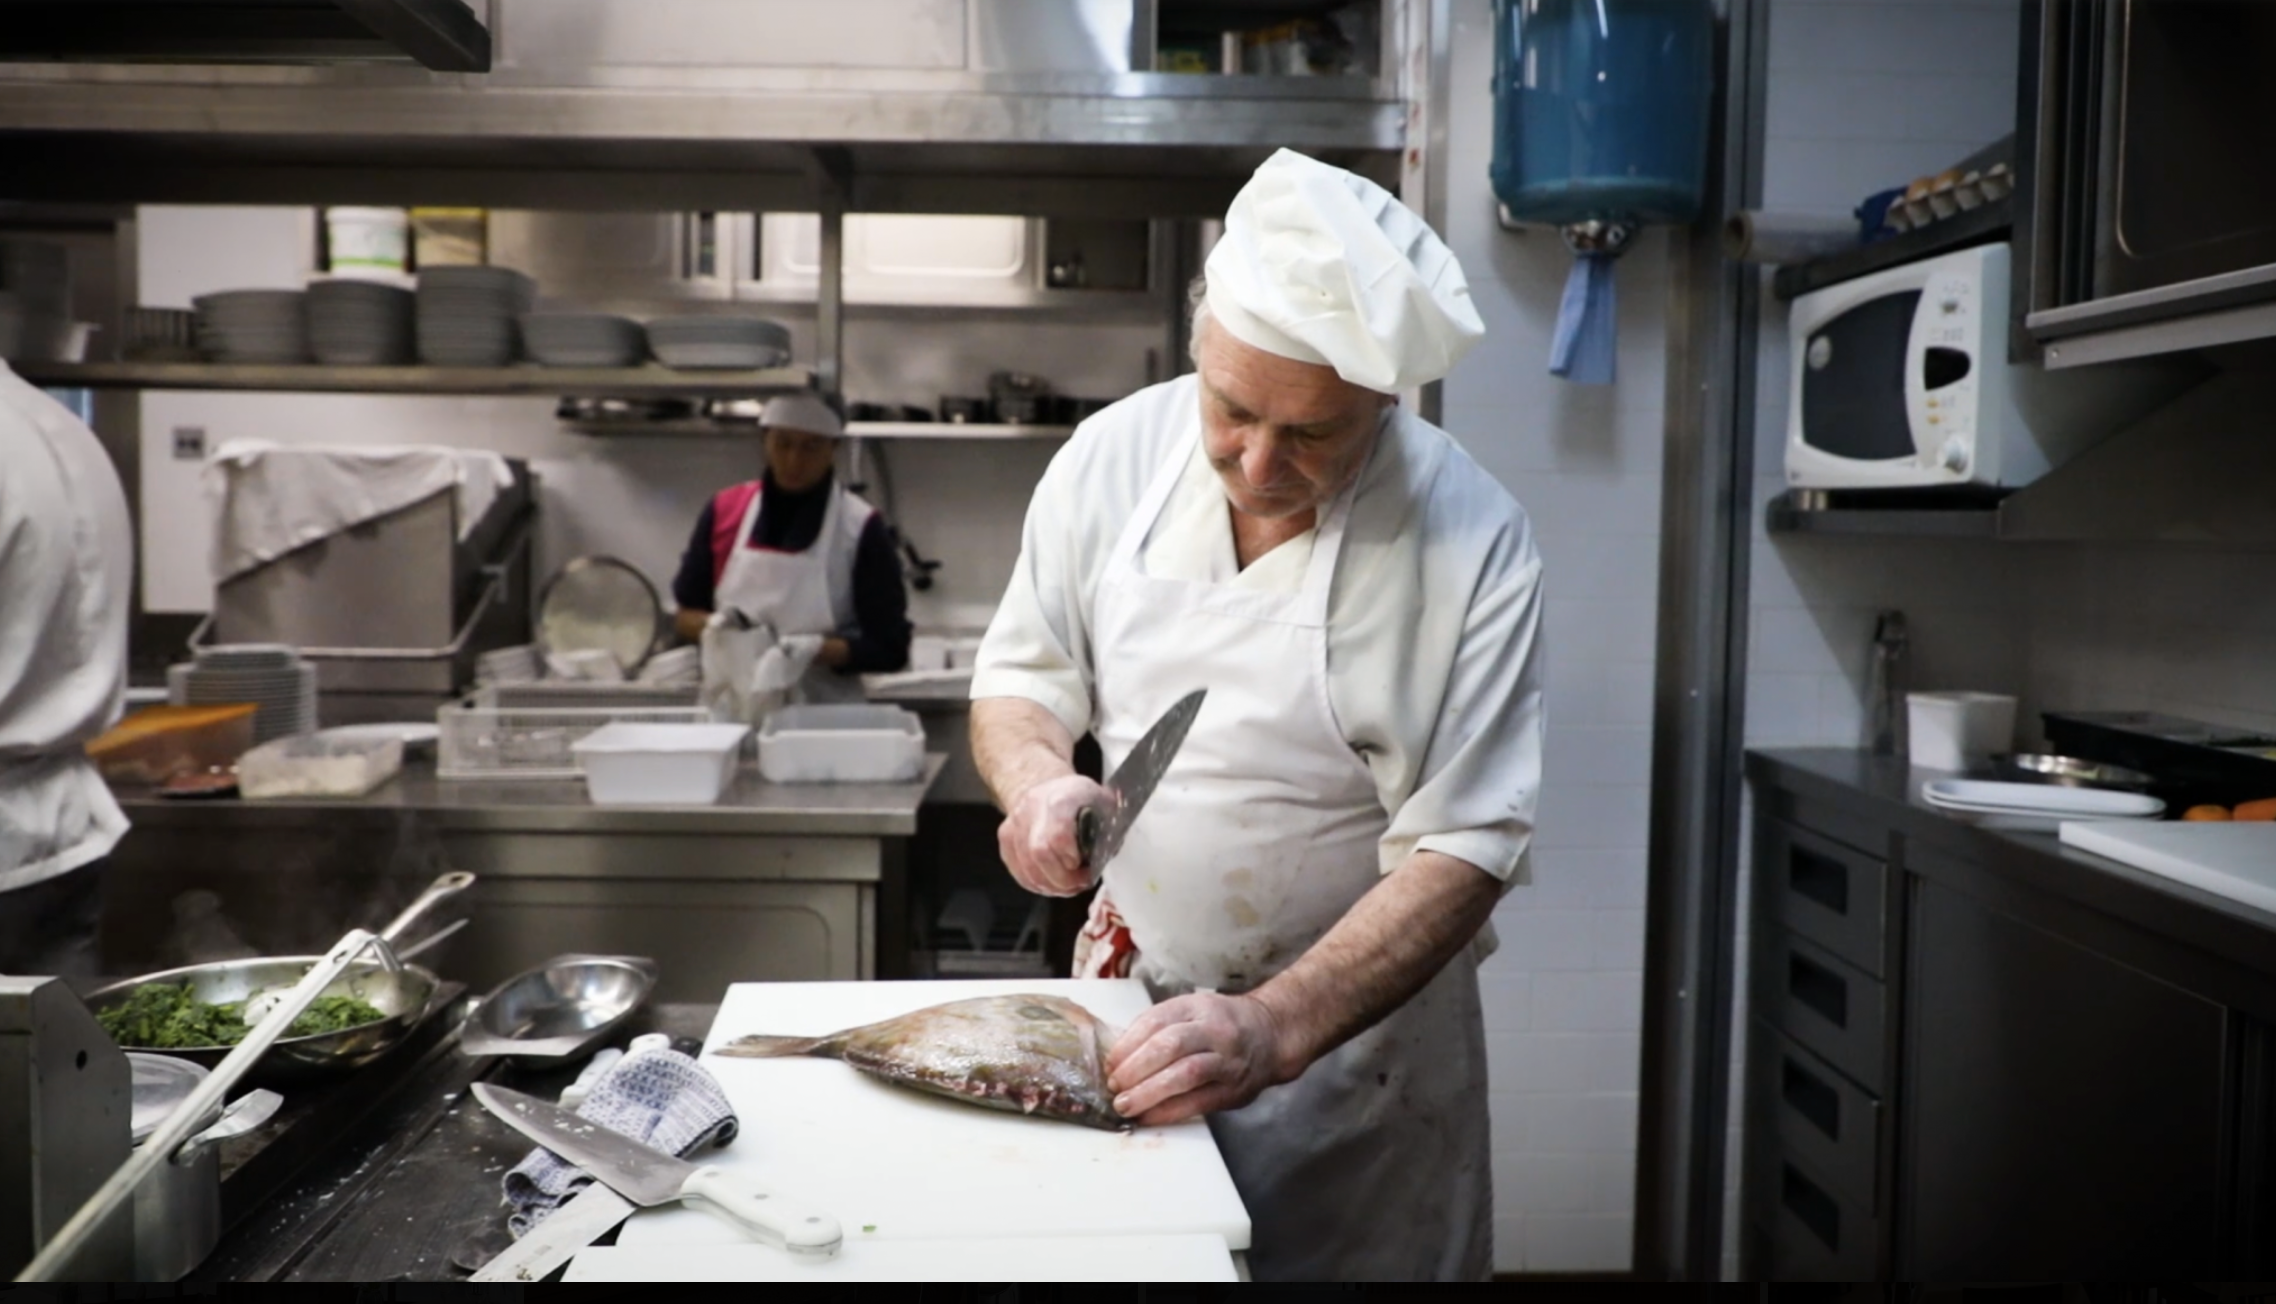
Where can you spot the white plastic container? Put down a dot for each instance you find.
(368, 242)
(659, 764)
(1958, 731)
(842, 744)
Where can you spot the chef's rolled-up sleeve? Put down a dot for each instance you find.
(1481, 772)
(1038, 645)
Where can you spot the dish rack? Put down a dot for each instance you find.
(484, 737)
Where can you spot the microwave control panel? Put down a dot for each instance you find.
(1942, 380)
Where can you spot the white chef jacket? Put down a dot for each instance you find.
(66, 559)
(1433, 615)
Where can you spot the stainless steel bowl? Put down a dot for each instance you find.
(2069, 772)
(560, 1009)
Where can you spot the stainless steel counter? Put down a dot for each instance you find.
(774, 883)
(751, 807)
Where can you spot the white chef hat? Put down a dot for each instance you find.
(802, 411)
(1326, 267)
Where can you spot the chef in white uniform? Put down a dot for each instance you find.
(65, 564)
(1307, 894)
(790, 582)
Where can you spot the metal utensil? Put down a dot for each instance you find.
(647, 1176)
(400, 991)
(1099, 834)
(2069, 772)
(560, 1008)
(601, 604)
(190, 1116)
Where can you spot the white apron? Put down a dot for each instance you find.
(1374, 1164)
(808, 592)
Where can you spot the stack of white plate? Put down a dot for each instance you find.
(268, 675)
(719, 342)
(466, 315)
(583, 339)
(509, 665)
(2033, 807)
(354, 323)
(259, 326)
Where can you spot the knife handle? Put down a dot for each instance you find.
(801, 1229)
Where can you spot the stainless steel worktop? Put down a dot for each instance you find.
(751, 807)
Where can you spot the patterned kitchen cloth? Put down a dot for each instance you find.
(659, 1098)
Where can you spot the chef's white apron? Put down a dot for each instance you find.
(808, 592)
(1374, 1164)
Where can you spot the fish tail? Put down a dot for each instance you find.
(760, 1046)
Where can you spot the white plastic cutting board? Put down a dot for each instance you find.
(892, 1163)
(2237, 861)
(1028, 1258)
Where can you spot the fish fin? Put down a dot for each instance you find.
(760, 1046)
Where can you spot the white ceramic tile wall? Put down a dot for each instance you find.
(1564, 995)
(1865, 95)
(633, 497)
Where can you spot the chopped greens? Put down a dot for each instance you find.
(160, 1016)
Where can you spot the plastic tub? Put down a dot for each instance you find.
(368, 241)
(842, 744)
(319, 765)
(1958, 731)
(659, 764)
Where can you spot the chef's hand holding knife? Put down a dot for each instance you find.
(1038, 839)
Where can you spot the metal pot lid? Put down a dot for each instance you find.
(601, 604)
(161, 1084)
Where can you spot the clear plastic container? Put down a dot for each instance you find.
(319, 765)
(660, 764)
(842, 744)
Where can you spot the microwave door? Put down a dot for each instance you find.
(1852, 395)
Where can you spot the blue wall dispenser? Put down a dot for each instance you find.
(1601, 111)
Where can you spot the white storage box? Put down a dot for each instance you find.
(659, 764)
(842, 744)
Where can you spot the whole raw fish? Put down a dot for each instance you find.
(1042, 1055)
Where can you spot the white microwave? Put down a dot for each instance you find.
(1901, 380)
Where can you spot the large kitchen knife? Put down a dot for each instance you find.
(647, 1176)
(1099, 834)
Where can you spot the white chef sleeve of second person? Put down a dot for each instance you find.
(1442, 686)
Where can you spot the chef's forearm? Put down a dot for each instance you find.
(1383, 951)
(689, 623)
(1017, 744)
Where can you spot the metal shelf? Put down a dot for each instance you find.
(952, 430)
(704, 427)
(545, 382)
(1980, 225)
(1819, 512)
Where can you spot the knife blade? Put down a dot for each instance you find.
(647, 1176)
(1099, 834)
(593, 1213)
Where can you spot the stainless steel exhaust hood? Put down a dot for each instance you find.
(442, 35)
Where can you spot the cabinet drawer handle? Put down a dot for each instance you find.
(1819, 988)
(1810, 1096)
(1819, 877)
(1807, 1201)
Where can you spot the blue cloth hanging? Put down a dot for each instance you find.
(1587, 339)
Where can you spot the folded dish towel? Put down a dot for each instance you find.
(659, 1098)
